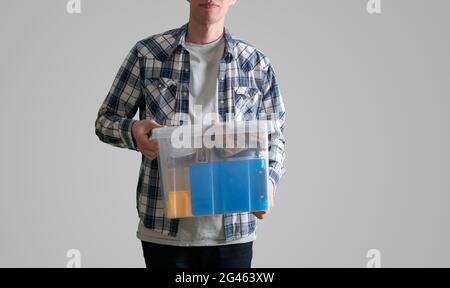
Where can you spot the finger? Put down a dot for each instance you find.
(155, 124)
(150, 145)
(258, 215)
(154, 143)
(150, 150)
(150, 155)
(264, 213)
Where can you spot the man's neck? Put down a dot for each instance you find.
(203, 33)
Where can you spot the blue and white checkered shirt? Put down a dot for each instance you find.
(154, 79)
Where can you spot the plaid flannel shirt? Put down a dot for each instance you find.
(154, 79)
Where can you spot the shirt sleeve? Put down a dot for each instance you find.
(272, 109)
(115, 116)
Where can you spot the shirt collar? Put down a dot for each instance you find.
(180, 39)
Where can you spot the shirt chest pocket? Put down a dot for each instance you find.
(246, 101)
(161, 98)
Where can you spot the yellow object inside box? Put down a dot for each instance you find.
(179, 204)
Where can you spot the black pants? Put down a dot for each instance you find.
(226, 256)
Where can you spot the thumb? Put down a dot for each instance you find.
(156, 124)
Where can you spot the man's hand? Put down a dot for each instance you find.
(141, 130)
(262, 214)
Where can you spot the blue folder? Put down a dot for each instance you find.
(229, 187)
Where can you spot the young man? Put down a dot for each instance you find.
(166, 75)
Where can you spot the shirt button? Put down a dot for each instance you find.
(185, 93)
(222, 101)
(222, 78)
(186, 70)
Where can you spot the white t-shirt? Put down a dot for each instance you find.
(204, 64)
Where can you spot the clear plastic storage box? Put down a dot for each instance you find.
(211, 170)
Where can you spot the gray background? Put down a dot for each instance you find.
(367, 100)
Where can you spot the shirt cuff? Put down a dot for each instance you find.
(127, 134)
(275, 177)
